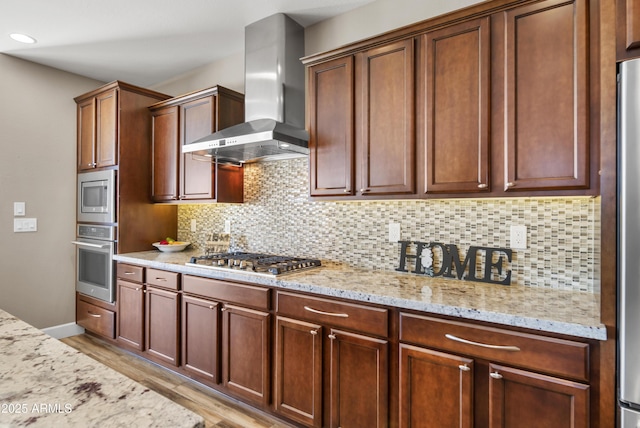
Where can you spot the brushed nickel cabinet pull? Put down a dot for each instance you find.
(482, 186)
(483, 345)
(161, 279)
(495, 375)
(129, 273)
(364, 190)
(330, 314)
(314, 332)
(511, 184)
(137, 288)
(332, 336)
(464, 367)
(91, 314)
(210, 306)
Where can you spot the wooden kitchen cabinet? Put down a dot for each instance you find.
(96, 316)
(324, 348)
(331, 128)
(97, 130)
(627, 29)
(385, 115)
(182, 120)
(504, 107)
(489, 377)
(201, 336)
(131, 314)
(107, 118)
(162, 322)
(362, 138)
(232, 349)
(546, 103)
(454, 105)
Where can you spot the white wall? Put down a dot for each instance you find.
(37, 166)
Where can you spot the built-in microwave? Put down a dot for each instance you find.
(96, 196)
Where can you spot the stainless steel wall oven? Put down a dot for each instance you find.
(96, 246)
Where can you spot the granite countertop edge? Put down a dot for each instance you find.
(414, 292)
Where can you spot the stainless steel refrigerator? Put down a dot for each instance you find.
(629, 243)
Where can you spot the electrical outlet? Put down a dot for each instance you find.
(227, 226)
(394, 232)
(193, 224)
(518, 237)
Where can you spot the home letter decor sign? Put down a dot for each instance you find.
(450, 260)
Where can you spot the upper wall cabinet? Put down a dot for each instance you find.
(454, 108)
(180, 121)
(107, 117)
(627, 29)
(502, 105)
(361, 122)
(546, 96)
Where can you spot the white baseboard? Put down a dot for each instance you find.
(63, 330)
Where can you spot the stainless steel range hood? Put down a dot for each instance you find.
(274, 98)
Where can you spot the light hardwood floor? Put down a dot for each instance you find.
(217, 410)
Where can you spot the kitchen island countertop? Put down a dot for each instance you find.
(45, 383)
(573, 313)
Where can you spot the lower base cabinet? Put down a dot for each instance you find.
(329, 376)
(162, 309)
(96, 316)
(245, 353)
(488, 381)
(201, 338)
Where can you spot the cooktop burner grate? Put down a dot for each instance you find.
(267, 264)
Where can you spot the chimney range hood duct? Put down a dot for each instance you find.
(274, 98)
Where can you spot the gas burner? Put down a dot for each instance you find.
(256, 263)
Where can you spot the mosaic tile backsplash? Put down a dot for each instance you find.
(278, 217)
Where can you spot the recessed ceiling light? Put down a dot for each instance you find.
(22, 38)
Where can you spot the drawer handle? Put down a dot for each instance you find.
(482, 186)
(330, 314)
(129, 273)
(91, 314)
(464, 367)
(332, 336)
(161, 279)
(484, 345)
(495, 375)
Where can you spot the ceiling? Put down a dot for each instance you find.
(143, 42)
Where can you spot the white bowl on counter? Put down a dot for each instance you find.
(174, 247)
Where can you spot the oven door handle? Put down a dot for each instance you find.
(86, 244)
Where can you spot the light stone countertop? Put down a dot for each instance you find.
(46, 383)
(572, 313)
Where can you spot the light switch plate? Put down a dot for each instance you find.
(25, 224)
(19, 209)
(227, 226)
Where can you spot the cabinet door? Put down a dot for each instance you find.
(201, 338)
(436, 389)
(519, 398)
(107, 129)
(197, 121)
(546, 101)
(162, 319)
(359, 369)
(385, 107)
(331, 113)
(131, 314)
(86, 134)
(628, 29)
(245, 353)
(165, 152)
(298, 371)
(454, 93)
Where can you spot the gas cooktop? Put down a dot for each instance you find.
(254, 263)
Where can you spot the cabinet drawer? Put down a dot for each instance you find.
(553, 356)
(241, 294)
(162, 278)
(130, 272)
(365, 319)
(93, 318)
